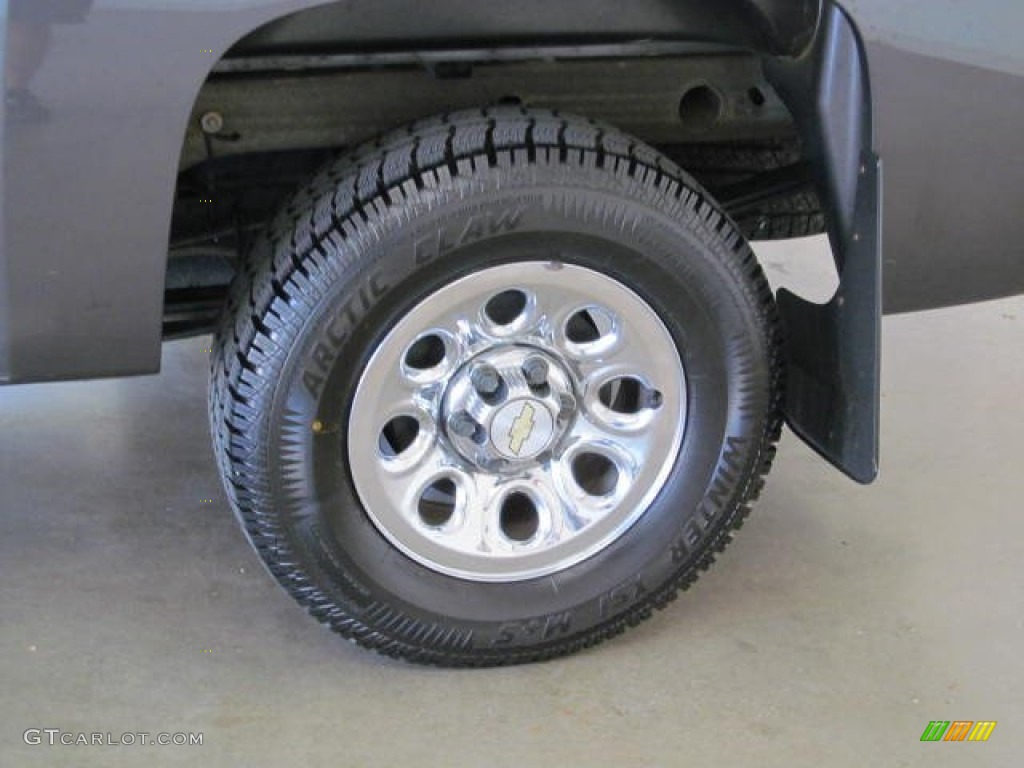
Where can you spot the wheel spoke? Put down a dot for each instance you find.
(567, 515)
(417, 470)
(473, 532)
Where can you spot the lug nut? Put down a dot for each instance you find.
(535, 369)
(462, 424)
(486, 380)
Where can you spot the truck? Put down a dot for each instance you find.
(495, 372)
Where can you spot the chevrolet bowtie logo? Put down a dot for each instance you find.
(522, 428)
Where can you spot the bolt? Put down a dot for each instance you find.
(212, 122)
(486, 380)
(535, 369)
(462, 424)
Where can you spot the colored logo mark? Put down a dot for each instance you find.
(958, 730)
(521, 429)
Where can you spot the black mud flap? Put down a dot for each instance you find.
(834, 349)
(832, 395)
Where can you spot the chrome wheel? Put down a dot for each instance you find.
(517, 421)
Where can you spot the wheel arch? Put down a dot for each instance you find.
(814, 57)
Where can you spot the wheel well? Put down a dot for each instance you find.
(701, 87)
(686, 78)
(262, 125)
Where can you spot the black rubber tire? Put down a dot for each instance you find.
(340, 265)
(798, 214)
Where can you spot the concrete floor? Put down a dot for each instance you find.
(840, 621)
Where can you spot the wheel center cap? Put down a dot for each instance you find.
(508, 407)
(522, 429)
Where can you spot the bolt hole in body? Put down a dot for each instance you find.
(397, 435)
(700, 108)
(519, 518)
(437, 503)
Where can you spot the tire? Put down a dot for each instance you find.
(412, 237)
(797, 214)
